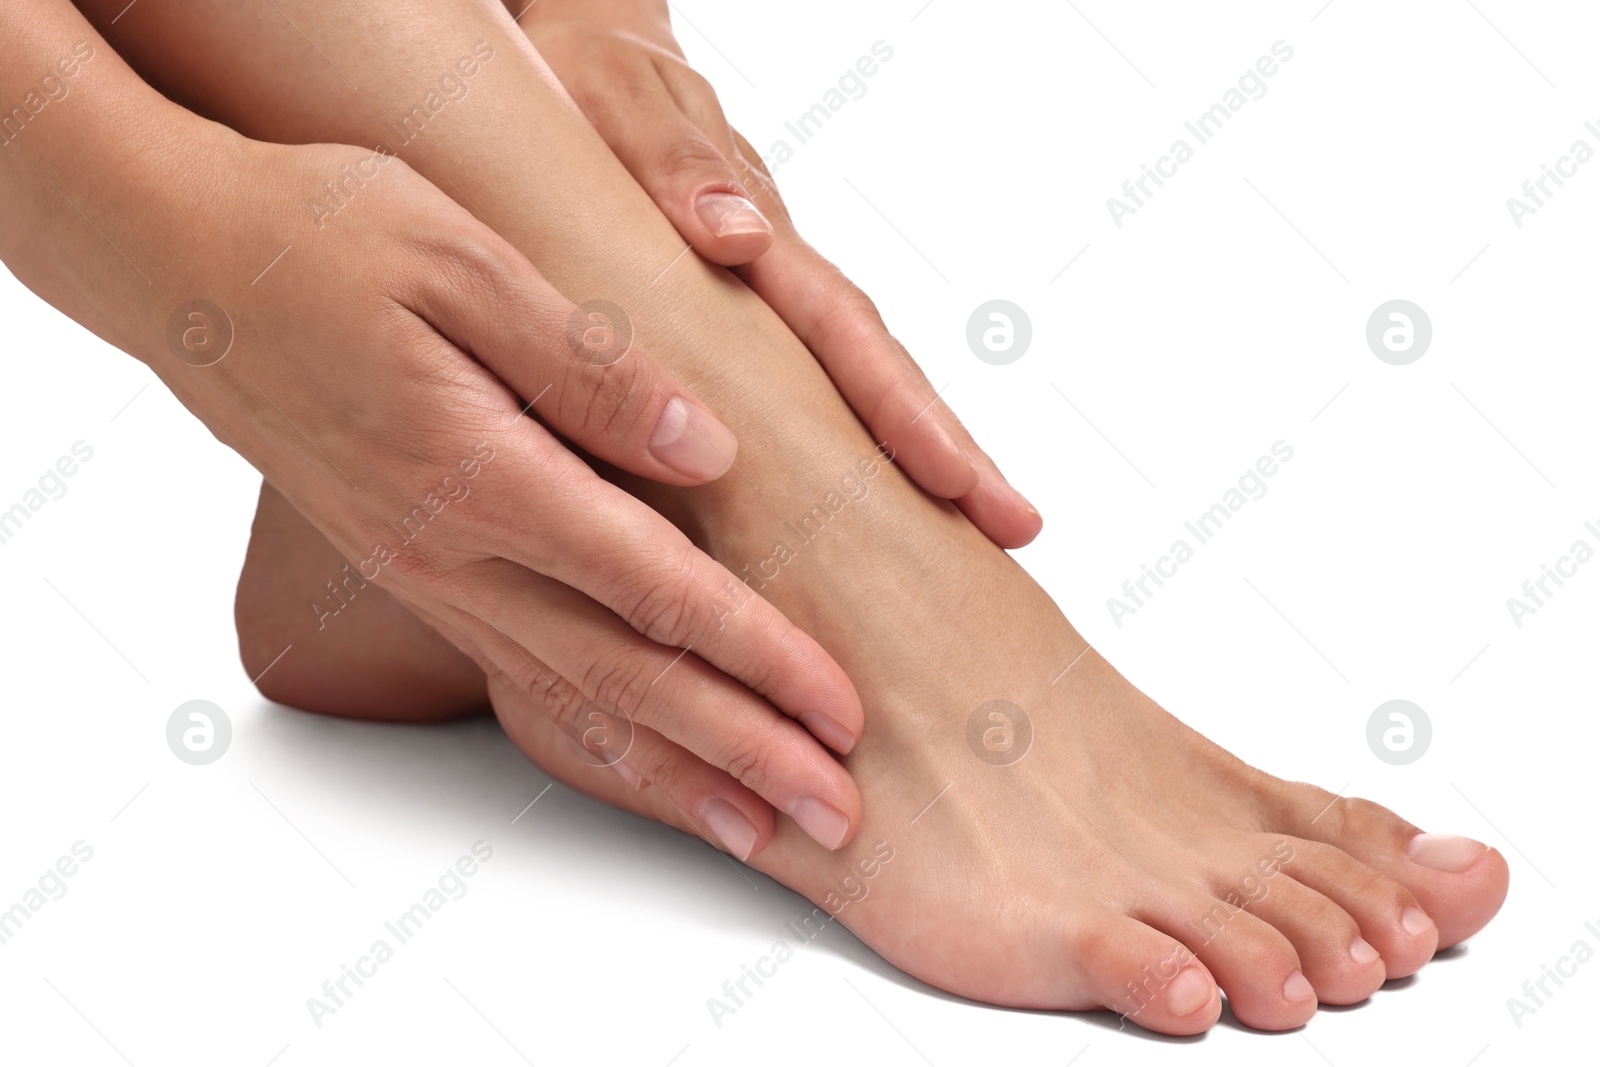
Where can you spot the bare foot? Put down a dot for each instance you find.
(1038, 833)
(1121, 861)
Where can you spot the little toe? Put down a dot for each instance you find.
(1141, 973)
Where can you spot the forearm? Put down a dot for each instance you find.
(89, 157)
(498, 134)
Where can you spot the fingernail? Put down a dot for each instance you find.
(1295, 987)
(1445, 852)
(1188, 993)
(627, 773)
(828, 732)
(692, 442)
(1415, 921)
(731, 828)
(1362, 952)
(822, 822)
(730, 215)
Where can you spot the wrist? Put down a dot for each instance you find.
(106, 191)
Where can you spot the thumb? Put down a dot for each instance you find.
(578, 367)
(689, 178)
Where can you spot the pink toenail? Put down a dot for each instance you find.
(826, 825)
(1188, 993)
(1362, 952)
(1415, 921)
(1295, 987)
(1445, 852)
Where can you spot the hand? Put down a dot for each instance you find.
(621, 64)
(376, 366)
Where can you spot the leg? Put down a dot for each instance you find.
(1123, 861)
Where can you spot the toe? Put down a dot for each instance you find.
(1459, 883)
(1342, 965)
(1255, 964)
(1389, 917)
(1144, 975)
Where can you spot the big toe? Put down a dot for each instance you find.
(1460, 883)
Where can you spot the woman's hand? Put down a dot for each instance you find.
(378, 364)
(623, 67)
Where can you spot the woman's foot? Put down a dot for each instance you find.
(1038, 833)
(1121, 861)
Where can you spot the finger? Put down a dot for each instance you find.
(673, 158)
(597, 664)
(688, 792)
(594, 537)
(576, 366)
(881, 382)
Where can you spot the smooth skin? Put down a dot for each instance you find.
(1119, 863)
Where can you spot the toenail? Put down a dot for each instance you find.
(1445, 852)
(1415, 921)
(1362, 952)
(828, 732)
(822, 822)
(1295, 987)
(732, 828)
(1188, 993)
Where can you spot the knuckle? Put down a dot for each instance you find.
(691, 156)
(750, 764)
(610, 406)
(563, 702)
(668, 610)
(619, 680)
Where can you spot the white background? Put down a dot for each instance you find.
(1227, 314)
